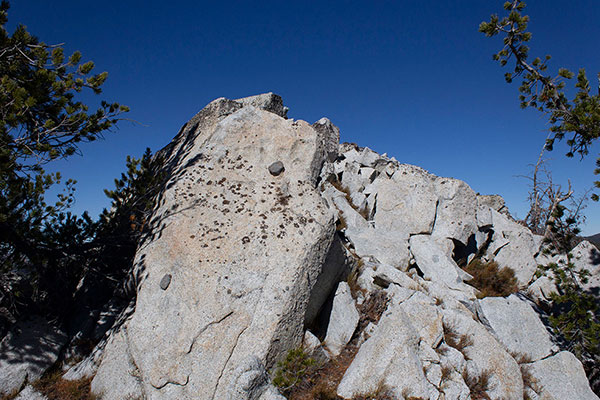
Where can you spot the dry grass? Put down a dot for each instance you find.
(372, 309)
(446, 373)
(456, 340)
(529, 382)
(382, 393)
(491, 280)
(54, 387)
(521, 358)
(478, 385)
(321, 383)
(340, 224)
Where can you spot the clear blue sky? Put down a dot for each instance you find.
(413, 79)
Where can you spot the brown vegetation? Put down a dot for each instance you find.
(458, 341)
(478, 385)
(491, 280)
(321, 383)
(55, 387)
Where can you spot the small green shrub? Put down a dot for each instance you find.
(292, 369)
(491, 280)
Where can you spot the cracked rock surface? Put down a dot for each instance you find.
(243, 248)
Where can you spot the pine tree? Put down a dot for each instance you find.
(41, 120)
(578, 118)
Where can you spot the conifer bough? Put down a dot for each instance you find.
(579, 118)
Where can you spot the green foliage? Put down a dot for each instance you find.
(41, 119)
(292, 369)
(575, 312)
(491, 280)
(579, 117)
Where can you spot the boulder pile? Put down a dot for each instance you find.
(270, 236)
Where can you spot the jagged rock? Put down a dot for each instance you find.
(330, 136)
(425, 318)
(435, 264)
(494, 201)
(542, 288)
(368, 241)
(514, 246)
(517, 326)
(335, 269)
(388, 358)
(245, 229)
(342, 321)
(27, 351)
(406, 203)
(313, 348)
(29, 393)
(456, 214)
(266, 101)
(486, 356)
(560, 377)
(244, 249)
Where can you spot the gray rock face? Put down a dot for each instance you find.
(435, 264)
(388, 358)
(517, 326)
(268, 102)
(587, 256)
(27, 352)
(244, 250)
(561, 377)
(343, 320)
(408, 203)
(244, 257)
(514, 246)
(486, 355)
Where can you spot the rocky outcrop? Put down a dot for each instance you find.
(270, 235)
(517, 326)
(559, 377)
(243, 248)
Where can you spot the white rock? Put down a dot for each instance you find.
(342, 321)
(517, 326)
(434, 263)
(514, 246)
(244, 249)
(586, 256)
(118, 378)
(313, 348)
(456, 214)
(407, 202)
(425, 318)
(486, 354)
(542, 288)
(561, 377)
(389, 358)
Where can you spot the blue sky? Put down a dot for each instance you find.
(412, 79)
